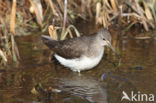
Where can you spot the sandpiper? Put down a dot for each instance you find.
(80, 53)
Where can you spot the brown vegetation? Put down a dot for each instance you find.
(33, 14)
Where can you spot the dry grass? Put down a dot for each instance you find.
(62, 13)
(36, 7)
(129, 11)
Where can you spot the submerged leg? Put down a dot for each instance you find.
(79, 72)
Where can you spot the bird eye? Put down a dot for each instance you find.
(104, 39)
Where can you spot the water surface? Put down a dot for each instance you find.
(103, 84)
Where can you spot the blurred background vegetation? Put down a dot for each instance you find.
(21, 17)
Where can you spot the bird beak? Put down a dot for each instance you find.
(110, 45)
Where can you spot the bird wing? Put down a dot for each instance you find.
(71, 48)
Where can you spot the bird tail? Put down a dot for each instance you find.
(44, 37)
(48, 41)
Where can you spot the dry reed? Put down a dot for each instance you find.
(62, 13)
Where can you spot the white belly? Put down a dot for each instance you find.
(80, 64)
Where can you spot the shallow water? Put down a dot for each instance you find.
(103, 84)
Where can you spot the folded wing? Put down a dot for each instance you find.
(70, 48)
